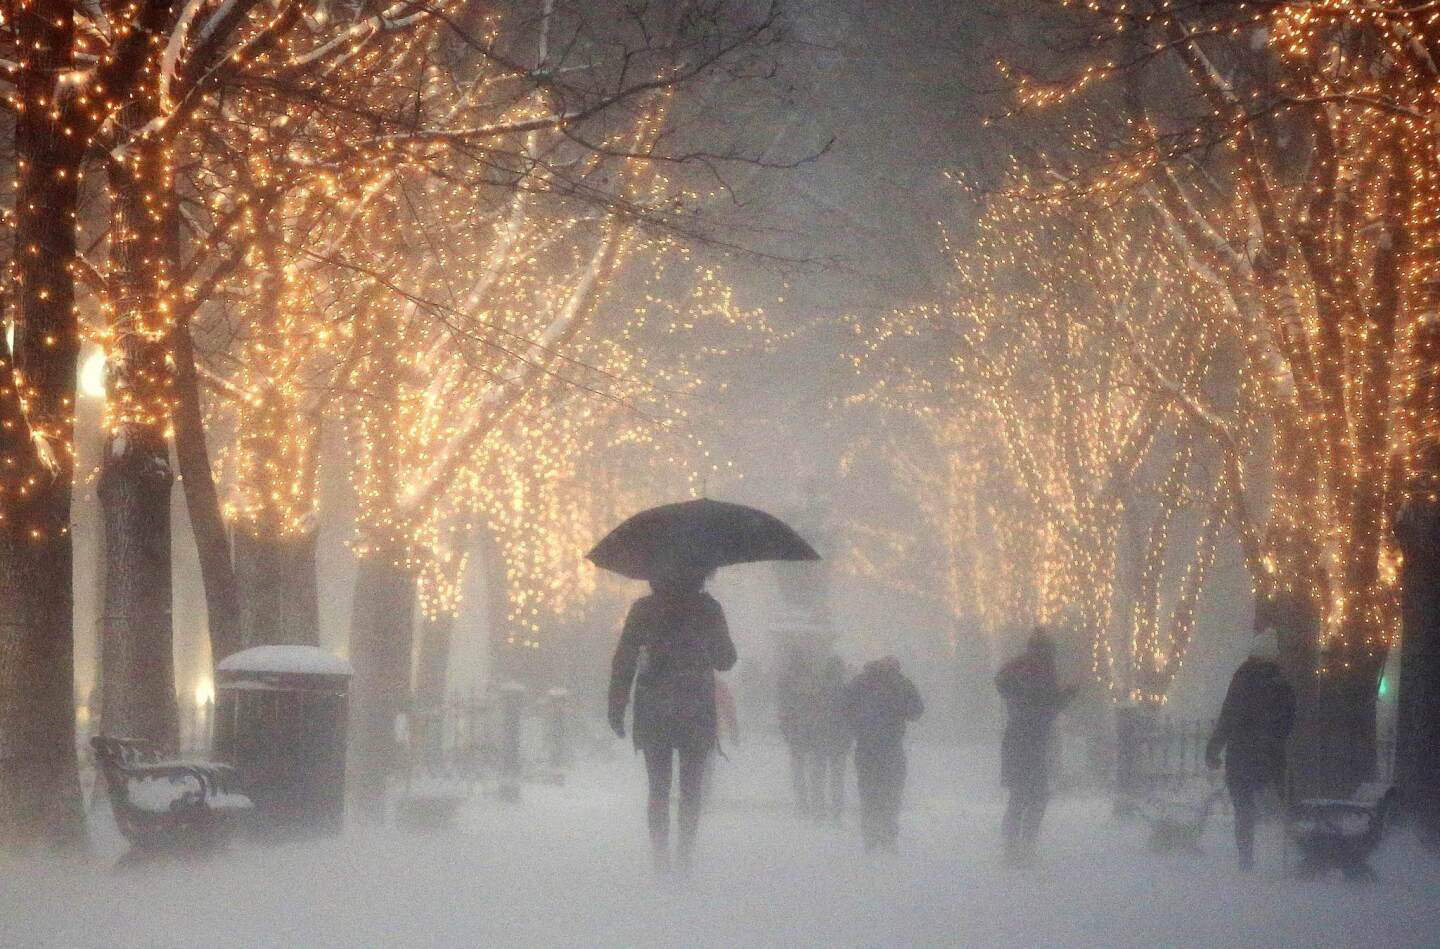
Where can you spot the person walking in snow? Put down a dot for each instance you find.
(673, 643)
(878, 703)
(1254, 723)
(798, 698)
(1033, 699)
(833, 739)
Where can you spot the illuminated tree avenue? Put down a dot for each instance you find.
(280, 183)
(1274, 219)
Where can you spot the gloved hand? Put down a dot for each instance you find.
(617, 723)
(1212, 757)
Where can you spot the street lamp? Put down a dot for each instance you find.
(92, 375)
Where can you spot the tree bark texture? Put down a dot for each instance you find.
(137, 638)
(381, 636)
(39, 783)
(279, 603)
(1417, 727)
(137, 646)
(432, 666)
(202, 501)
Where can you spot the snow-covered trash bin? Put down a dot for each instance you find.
(280, 717)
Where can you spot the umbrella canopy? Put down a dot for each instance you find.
(695, 537)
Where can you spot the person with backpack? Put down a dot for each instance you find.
(673, 643)
(1254, 723)
(878, 704)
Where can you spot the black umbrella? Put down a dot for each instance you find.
(695, 537)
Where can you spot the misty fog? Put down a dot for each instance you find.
(1087, 349)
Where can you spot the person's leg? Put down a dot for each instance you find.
(693, 763)
(894, 792)
(816, 767)
(1242, 796)
(837, 785)
(865, 775)
(1010, 826)
(1036, 800)
(797, 778)
(659, 762)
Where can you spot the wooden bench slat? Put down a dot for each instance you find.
(168, 804)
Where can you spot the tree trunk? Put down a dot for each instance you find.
(1297, 630)
(432, 666)
(279, 603)
(39, 782)
(506, 661)
(137, 639)
(1333, 748)
(433, 663)
(1417, 728)
(1344, 738)
(202, 500)
(137, 690)
(40, 798)
(381, 634)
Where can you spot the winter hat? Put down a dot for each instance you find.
(1040, 642)
(1265, 645)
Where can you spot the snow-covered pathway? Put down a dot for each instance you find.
(568, 867)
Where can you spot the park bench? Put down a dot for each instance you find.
(1341, 834)
(167, 806)
(1177, 818)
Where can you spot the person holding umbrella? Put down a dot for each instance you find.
(675, 640)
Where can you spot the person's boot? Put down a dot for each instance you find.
(1014, 855)
(658, 817)
(689, 830)
(1245, 847)
(685, 858)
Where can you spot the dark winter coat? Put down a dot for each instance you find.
(810, 696)
(1033, 700)
(832, 732)
(878, 703)
(671, 647)
(1254, 722)
(796, 692)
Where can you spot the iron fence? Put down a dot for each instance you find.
(1162, 755)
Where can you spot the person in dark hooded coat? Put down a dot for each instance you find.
(798, 699)
(833, 739)
(1033, 699)
(810, 693)
(878, 704)
(1254, 723)
(673, 643)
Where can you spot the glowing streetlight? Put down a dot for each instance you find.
(92, 375)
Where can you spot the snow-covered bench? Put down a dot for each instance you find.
(1341, 834)
(168, 806)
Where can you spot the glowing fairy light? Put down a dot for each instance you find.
(92, 375)
(1030, 397)
(1323, 271)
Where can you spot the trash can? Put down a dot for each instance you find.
(280, 717)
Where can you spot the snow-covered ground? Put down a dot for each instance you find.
(568, 867)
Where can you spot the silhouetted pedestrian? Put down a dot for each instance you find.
(1254, 722)
(833, 739)
(878, 704)
(1033, 699)
(674, 641)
